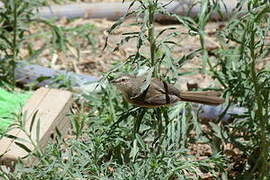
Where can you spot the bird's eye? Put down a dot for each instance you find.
(123, 80)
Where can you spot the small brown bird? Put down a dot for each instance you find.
(159, 93)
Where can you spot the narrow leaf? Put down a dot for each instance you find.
(32, 121)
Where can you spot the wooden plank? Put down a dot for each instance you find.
(31, 103)
(51, 107)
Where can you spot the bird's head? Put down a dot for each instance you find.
(124, 83)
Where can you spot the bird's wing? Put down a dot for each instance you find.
(162, 100)
(164, 87)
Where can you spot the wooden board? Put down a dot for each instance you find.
(51, 107)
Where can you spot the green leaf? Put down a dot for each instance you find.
(24, 147)
(140, 141)
(216, 129)
(38, 131)
(32, 121)
(147, 80)
(134, 150)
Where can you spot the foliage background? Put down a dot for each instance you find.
(111, 139)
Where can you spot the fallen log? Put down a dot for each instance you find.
(40, 76)
(116, 10)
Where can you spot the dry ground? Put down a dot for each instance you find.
(94, 60)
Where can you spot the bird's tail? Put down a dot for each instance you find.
(203, 97)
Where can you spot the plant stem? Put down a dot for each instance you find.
(151, 35)
(14, 43)
(262, 160)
